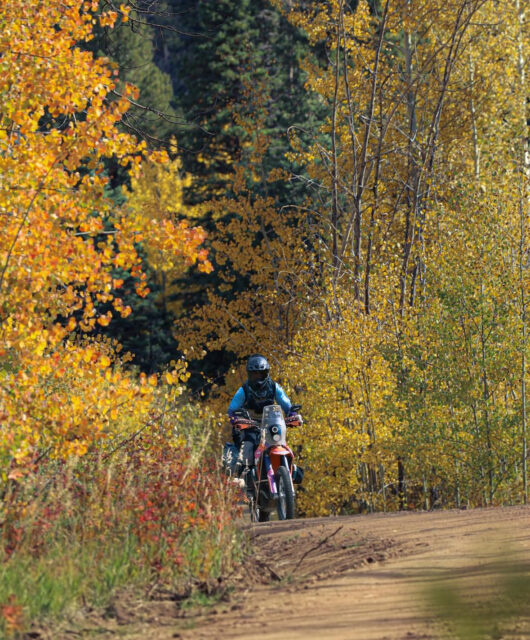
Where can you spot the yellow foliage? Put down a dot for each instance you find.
(62, 238)
(156, 202)
(345, 386)
(397, 298)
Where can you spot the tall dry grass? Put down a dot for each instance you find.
(156, 509)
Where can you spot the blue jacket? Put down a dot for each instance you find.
(238, 400)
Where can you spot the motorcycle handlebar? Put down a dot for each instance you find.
(247, 424)
(256, 425)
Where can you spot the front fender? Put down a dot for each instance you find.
(280, 450)
(277, 453)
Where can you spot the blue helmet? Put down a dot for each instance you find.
(258, 362)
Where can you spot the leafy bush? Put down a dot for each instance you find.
(77, 529)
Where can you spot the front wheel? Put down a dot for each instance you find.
(285, 494)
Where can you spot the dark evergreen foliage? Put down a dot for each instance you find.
(221, 50)
(148, 332)
(222, 57)
(131, 45)
(232, 58)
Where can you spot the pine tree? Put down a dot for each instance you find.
(226, 54)
(211, 61)
(238, 79)
(130, 45)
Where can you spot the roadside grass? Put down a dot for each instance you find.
(69, 575)
(157, 513)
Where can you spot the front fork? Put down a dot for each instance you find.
(268, 471)
(264, 470)
(270, 476)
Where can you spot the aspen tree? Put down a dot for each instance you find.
(63, 239)
(524, 213)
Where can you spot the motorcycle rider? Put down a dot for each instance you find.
(259, 391)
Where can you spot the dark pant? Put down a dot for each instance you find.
(246, 440)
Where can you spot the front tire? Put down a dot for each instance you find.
(285, 504)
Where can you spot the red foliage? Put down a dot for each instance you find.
(148, 490)
(12, 615)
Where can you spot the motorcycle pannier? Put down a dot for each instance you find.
(298, 474)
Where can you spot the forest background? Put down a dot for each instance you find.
(341, 186)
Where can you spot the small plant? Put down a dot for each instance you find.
(496, 601)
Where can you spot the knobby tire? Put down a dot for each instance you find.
(286, 494)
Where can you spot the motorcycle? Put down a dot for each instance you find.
(270, 482)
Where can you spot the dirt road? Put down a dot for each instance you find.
(360, 578)
(370, 579)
